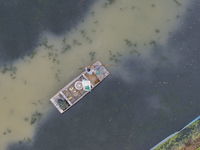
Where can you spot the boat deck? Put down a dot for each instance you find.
(69, 95)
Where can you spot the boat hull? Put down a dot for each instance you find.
(69, 95)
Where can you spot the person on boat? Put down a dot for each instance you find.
(89, 69)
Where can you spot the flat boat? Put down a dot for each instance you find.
(79, 87)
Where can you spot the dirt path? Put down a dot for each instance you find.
(192, 145)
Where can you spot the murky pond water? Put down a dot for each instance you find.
(150, 86)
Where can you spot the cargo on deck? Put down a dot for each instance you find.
(79, 87)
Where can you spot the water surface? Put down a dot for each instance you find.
(142, 101)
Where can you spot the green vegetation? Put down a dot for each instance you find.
(22, 57)
(25, 140)
(185, 136)
(49, 47)
(153, 5)
(40, 102)
(88, 39)
(92, 55)
(38, 15)
(50, 54)
(157, 31)
(8, 67)
(83, 33)
(75, 42)
(109, 2)
(35, 117)
(119, 54)
(153, 43)
(115, 58)
(24, 82)
(4, 69)
(128, 43)
(65, 48)
(133, 7)
(141, 70)
(8, 131)
(53, 56)
(134, 51)
(44, 43)
(163, 58)
(57, 76)
(64, 41)
(122, 8)
(34, 103)
(32, 54)
(26, 119)
(179, 4)
(96, 22)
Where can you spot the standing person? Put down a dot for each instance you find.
(89, 69)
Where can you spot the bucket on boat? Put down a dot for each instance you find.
(98, 72)
(78, 85)
(87, 88)
(86, 85)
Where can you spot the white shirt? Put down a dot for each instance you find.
(89, 72)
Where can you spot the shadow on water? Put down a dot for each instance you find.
(22, 22)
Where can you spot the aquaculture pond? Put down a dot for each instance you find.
(152, 90)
